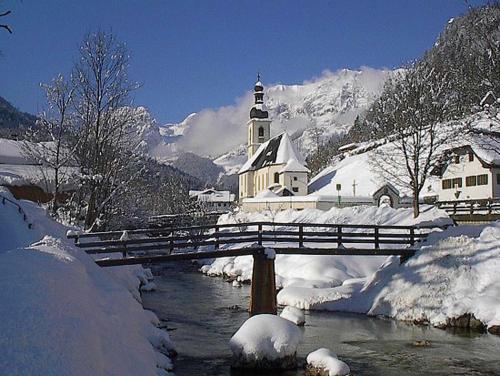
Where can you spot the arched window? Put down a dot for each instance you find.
(276, 177)
(261, 134)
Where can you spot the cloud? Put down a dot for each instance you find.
(212, 132)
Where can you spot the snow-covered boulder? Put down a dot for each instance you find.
(323, 362)
(266, 342)
(294, 315)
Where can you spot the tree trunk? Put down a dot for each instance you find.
(91, 210)
(416, 205)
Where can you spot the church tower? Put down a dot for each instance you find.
(259, 125)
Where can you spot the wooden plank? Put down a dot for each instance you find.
(177, 257)
(251, 251)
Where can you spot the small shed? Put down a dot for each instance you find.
(386, 193)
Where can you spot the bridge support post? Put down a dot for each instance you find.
(263, 298)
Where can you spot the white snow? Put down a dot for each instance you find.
(294, 315)
(307, 272)
(327, 360)
(286, 154)
(266, 337)
(64, 315)
(455, 273)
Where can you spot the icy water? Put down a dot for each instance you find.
(202, 313)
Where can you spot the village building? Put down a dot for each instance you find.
(470, 171)
(211, 200)
(273, 164)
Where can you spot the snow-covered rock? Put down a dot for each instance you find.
(294, 315)
(266, 342)
(324, 362)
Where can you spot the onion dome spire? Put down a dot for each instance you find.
(258, 109)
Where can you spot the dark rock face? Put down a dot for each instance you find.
(315, 371)
(467, 321)
(285, 363)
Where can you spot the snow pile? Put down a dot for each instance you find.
(265, 341)
(326, 361)
(453, 277)
(294, 315)
(64, 315)
(306, 271)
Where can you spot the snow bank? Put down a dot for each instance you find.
(455, 275)
(294, 315)
(320, 271)
(64, 315)
(325, 360)
(263, 341)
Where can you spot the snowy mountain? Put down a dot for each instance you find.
(311, 112)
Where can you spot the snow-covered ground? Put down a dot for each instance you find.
(310, 272)
(64, 315)
(454, 274)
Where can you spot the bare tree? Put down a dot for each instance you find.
(48, 142)
(102, 89)
(5, 26)
(414, 116)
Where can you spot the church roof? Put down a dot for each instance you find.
(293, 166)
(277, 150)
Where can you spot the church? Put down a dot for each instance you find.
(274, 166)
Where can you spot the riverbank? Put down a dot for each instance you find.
(64, 315)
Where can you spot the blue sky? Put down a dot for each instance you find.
(191, 54)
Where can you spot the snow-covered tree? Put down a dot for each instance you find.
(105, 152)
(413, 115)
(48, 143)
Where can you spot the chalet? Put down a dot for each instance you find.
(273, 163)
(212, 200)
(470, 171)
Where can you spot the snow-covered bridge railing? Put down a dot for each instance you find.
(290, 238)
(149, 246)
(7, 201)
(486, 210)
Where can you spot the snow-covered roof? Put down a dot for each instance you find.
(278, 150)
(293, 166)
(489, 98)
(211, 195)
(485, 145)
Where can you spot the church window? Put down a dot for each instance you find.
(471, 157)
(261, 134)
(295, 178)
(295, 189)
(276, 177)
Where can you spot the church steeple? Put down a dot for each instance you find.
(258, 110)
(259, 130)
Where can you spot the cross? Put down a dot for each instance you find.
(354, 188)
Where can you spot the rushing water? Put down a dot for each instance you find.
(202, 313)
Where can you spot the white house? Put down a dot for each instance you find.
(212, 200)
(273, 163)
(470, 171)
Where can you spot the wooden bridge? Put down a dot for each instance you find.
(149, 246)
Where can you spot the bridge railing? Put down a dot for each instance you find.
(470, 207)
(275, 234)
(5, 200)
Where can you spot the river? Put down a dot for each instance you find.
(202, 313)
